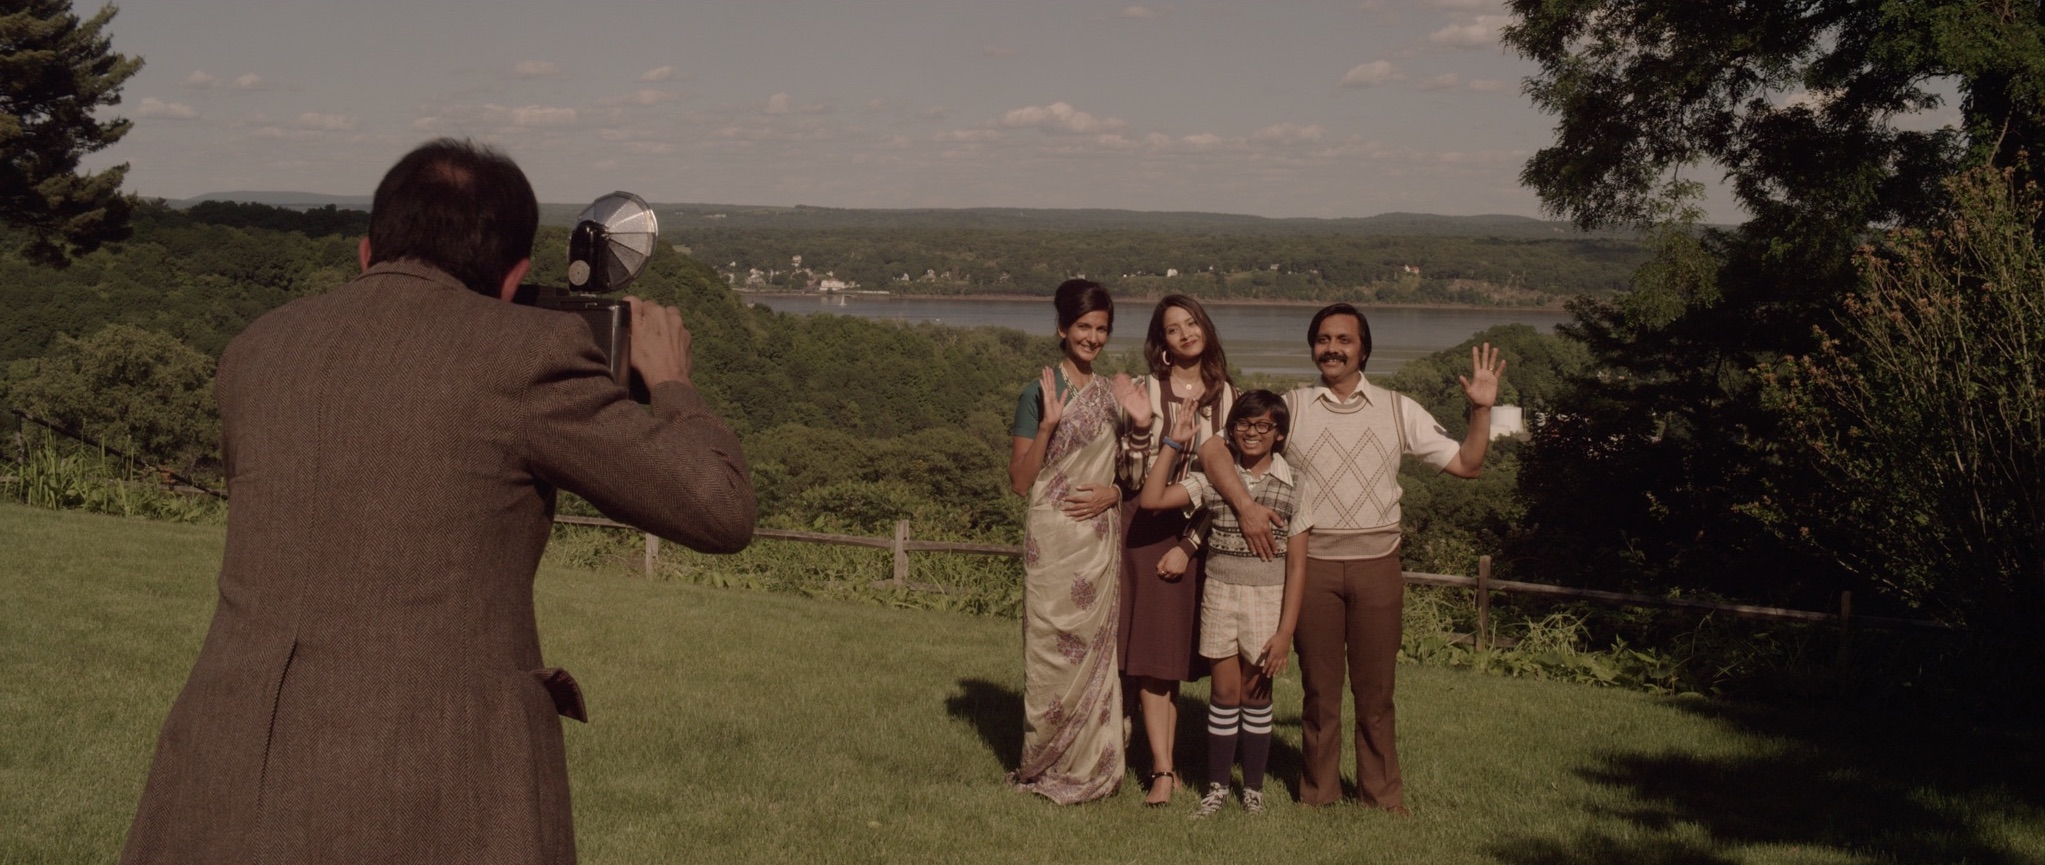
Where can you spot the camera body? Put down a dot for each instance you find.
(609, 320)
(609, 246)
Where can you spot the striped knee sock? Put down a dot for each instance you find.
(1221, 741)
(1256, 744)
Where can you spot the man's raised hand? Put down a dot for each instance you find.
(1487, 372)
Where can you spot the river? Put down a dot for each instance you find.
(1269, 338)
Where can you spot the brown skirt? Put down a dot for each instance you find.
(1160, 633)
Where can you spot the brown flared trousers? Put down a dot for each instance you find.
(1350, 617)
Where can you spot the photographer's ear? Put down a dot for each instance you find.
(512, 279)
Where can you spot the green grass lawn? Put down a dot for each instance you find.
(739, 726)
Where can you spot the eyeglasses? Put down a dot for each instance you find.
(1259, 427)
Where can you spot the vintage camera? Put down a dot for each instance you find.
(608, 248)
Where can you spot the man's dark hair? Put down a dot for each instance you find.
(1076, 298)
(460, 206)
(1253, 403)
(1362, 324)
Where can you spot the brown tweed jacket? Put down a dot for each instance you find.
(371, 689)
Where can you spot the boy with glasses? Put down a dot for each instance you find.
(1250, 605)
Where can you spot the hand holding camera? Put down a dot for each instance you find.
(660, 343)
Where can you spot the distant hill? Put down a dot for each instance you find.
(295, 200)
(684, 216)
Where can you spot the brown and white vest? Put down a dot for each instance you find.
(1350, 457)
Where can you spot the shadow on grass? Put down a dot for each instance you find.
(1835, 780)
(996, 712)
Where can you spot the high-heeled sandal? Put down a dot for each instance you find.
(1151, 786)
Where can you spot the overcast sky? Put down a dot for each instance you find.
(1277, 108)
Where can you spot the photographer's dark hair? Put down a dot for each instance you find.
(1213, 361)
(1077, 297)
(1362, 325)
(457, 205)
(1253, 403)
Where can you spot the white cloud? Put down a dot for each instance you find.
(967, 135)
(1203, 142)
(425, 124)
(779, 103)
(1475, 32)
(1058, 117)
(1444, 81)
(1141, 13)
(649, 148)
(1289, 133)
(540, 115)
(325, 122)
(1371, 74)
(200, 79)
(153, 107)
(536, 69)
(1490, 85)
(657, 74)
(642, 96)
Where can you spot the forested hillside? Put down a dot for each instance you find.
(901, 415)
(849, 423)
(1389, 258)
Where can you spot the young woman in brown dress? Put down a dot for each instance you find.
(1160, 603)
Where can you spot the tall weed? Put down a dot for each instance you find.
(55, 474)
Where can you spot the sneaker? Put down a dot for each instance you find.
(1217, 796)
(1253, 801)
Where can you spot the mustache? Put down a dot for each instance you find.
(1331, 357)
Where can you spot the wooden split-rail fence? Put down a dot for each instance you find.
(1482, 585)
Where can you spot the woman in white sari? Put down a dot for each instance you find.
(1067, 431)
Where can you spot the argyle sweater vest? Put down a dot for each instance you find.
(1350, 458)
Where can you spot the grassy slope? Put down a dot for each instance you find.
(742, 726)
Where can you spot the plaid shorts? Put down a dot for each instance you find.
(1238, 620)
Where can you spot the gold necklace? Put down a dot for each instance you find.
(1072, 378)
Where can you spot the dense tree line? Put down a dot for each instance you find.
(686, 218)
(1297, 266)
(1742, 425)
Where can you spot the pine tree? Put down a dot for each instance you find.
(55, 71)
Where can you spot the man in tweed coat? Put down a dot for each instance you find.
(371, 688)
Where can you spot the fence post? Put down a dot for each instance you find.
(1845, 622)
(901, 552)
(1483, 602)
(652, 553)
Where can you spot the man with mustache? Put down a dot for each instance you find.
(1348, 435)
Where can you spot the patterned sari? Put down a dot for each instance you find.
(1072, 726)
